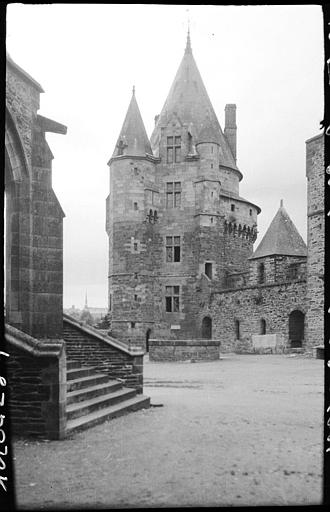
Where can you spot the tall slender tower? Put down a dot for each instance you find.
(131, 207)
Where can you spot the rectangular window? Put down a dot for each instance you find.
(177, 154)
(173, 194)
(208, 270)
(173, 150)
(135, 206)
(135, 246)
(172, 299)
(173, 249)
(232, 207)
(169, 155)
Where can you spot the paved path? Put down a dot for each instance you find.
(245, 430)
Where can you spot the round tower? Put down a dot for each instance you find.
(131, 213)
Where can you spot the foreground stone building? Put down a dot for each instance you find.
(182, 271)
(51, 392)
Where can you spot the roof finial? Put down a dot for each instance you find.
(133, 91)
(188, 45)
(281, 203)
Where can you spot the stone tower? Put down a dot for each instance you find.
(176, 222)
(280, 254)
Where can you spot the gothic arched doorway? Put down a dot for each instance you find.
(207, 328)
(147, 339)
(296, 328)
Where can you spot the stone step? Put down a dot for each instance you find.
(86, 407)
(86, 382)
(87, 393)
(70, 365)
(82, 371)
(112, 411)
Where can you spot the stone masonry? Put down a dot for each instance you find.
(175, 220)
(315, 239)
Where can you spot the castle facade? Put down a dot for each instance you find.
(181, 260)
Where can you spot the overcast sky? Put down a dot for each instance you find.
(266, 59)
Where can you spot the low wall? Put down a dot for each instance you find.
(184, 350)
(92, 348)
(36, 373)
(268, 342)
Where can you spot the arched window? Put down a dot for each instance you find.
(262, 326)
(261, 273)
(207, 328)
(237, 330)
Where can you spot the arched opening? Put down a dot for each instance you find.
(16, 173)
(207, 328)
(147, 339)
(296, 328)
(262, 326)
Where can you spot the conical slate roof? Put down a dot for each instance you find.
(133, 139)
(188, 99)
(281, 238)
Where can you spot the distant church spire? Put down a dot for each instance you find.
(86, 304)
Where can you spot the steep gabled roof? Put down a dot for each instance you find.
(133, 139)
(281, 238)
(188, 98)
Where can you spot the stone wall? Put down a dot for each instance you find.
(184, 350)
(94, 349)
(36, 373)
(34, 217)
(248, 306)
(315, 240)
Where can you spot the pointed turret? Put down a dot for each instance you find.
(133, 139)
(188, 100)
(281, 238)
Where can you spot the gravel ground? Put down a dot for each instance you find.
(245, 430)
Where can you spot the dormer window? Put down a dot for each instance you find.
(173, 150)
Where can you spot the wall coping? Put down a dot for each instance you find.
(185, 343)
(45, 347)
(119, 345)
(259, 286)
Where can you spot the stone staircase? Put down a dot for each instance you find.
(93, 398)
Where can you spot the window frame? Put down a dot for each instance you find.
(173, 194)
(173, 249)
(172, 298)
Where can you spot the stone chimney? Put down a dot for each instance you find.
(230, 127)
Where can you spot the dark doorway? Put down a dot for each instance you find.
(296, 328)
(147, 339)
(207, 328)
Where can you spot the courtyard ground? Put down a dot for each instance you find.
(244, 430)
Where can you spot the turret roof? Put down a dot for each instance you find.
(133, 139)
(281, 238)
(189, 99)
